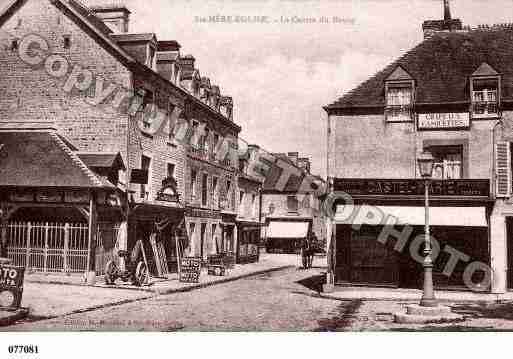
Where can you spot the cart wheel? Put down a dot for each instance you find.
(110, 273)
(140, 274)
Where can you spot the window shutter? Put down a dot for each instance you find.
(503, 169)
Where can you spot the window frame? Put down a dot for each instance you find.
(146, 188)
(407, 109)
(204, 189)
(473, 102)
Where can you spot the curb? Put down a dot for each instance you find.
(494, 299)
(153, 292)
(220, 281)
(166, 291)
(14, 317)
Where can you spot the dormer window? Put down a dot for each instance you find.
(151, 60)
(485, 92)
(399, 96)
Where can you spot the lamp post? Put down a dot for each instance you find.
(425, 162)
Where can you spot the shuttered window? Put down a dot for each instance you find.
(503, 169)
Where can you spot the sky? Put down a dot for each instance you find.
(281, 74)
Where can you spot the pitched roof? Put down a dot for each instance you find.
(167, 56)
(42, 159)
(102, 160)
(441, 67)
(145, 37)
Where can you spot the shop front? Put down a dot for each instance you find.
(248, 243)
(55, 206)
(286, 235)
(379, 237)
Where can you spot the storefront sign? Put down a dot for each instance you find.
(21, 197)
(49, 197)
(76, 197)
(412, 187)
(198, 213)
(190, 270)
(11, 286)
(448, 120)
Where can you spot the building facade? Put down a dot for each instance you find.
(125, 104)
(451, 96)
(290, 216)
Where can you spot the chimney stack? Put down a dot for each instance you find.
(293, 156)
(187, 63)
(447, 11)
(115, 16)
(448, 24)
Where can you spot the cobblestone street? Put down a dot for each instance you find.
(281, 301)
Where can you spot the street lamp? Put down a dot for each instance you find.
(425, 162)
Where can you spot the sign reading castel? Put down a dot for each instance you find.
(412, 187)
(443, 121)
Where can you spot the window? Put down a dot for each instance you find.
(292, 204)
(151, 57)
(206, 139)
(448, 162)
(215, 181)
(216, 141)
(145, 165)
(170, 170)
(485, 97)
(194, 130)
(241, 197)
(254, 212)
(171, 125)
(215, 239)
(67, 41)
(203, 233)
(229, 193)
(204, 190)
(14, 45)
(193, 183)
(399, 100)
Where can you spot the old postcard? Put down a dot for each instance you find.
(254, 166)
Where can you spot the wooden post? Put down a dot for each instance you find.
(45, 250)
(66, 248)
(91, 245)
(29, 235)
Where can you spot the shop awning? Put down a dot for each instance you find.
(290, 230)
(415, 216)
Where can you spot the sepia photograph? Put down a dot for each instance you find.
(255, 166)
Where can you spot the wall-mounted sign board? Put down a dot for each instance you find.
(444, 121)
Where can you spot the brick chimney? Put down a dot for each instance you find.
(168, 53)
(187, 63)
(448, 24)
(293, 156)
(115, 16)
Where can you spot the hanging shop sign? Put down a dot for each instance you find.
(168, 192)
(190, 270)
(11, 286)
(444, 121)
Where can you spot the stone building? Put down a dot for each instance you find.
(133, 112)
(450, 95)
(290, 215)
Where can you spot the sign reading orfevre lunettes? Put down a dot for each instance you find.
(412, 187)
(443, 121)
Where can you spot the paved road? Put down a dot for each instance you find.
(279, 301)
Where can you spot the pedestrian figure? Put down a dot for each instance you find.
(305, 252)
